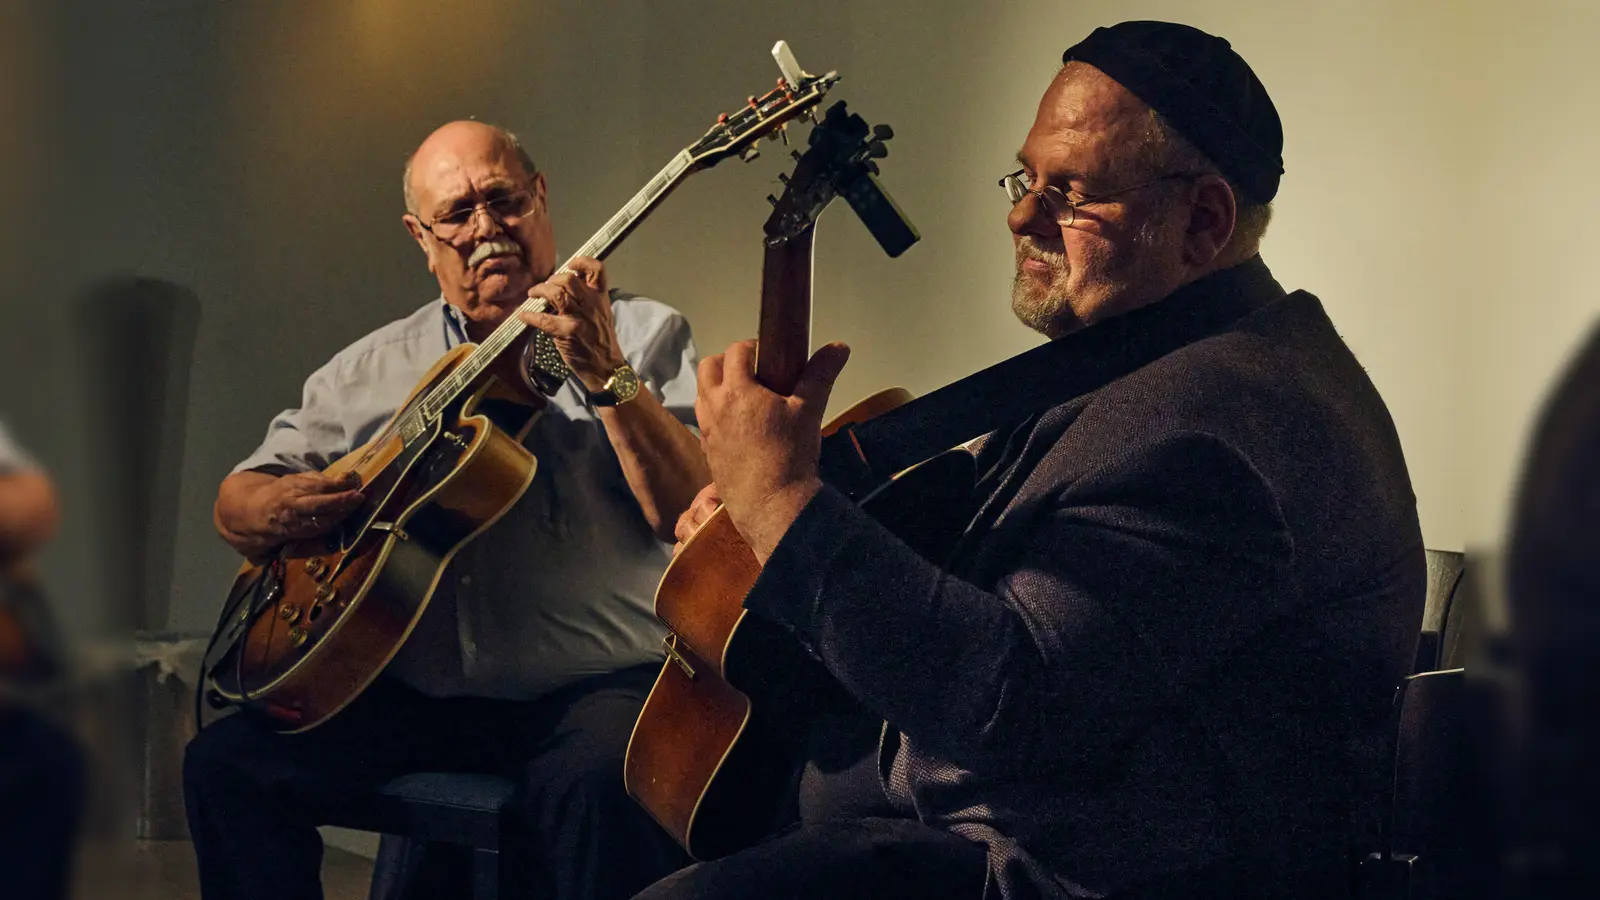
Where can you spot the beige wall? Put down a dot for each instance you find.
(1438, 193)
(1369, 217)
(1531, 269)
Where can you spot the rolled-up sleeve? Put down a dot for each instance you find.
(308, 438)
(660, 346)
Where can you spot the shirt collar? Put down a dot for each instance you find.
(455, 324)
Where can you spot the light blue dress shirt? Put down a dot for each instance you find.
(563, 586)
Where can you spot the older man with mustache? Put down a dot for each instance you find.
(1160, 659)
(540, 645)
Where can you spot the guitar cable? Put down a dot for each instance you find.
(256, 604)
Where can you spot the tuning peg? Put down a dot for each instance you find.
(783, 177)
(877, 150)
(750, 153)
(795, 154)
(882, 132)
(773, 200)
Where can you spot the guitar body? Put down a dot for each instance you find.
(307, 631)
(717, 749)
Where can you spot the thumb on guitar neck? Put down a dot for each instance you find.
(816, 382)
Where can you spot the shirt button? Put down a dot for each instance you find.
(466, 579)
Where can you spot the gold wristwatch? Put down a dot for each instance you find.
(622, 386)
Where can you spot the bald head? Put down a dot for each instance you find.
(452, 137)
(476, 206)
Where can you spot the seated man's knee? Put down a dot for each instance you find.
(215, 754)
(572, 777)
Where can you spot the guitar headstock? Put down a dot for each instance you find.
(735, 134)
(843, 151)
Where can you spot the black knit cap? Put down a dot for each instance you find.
(1203, 88)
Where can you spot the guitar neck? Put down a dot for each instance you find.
(783, 340)
(599, 246)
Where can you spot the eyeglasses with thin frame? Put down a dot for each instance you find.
(1063, 208)
(507, 209)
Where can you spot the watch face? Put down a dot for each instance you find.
(625, 383)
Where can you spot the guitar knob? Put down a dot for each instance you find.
(297, 636)
(288, 613)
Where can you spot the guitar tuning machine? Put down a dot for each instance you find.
(750, 153)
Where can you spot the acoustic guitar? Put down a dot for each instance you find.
(305, 631)
(716, 752)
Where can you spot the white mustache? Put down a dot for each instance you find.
(1027, 249)
(496, 247)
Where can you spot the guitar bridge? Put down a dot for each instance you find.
(670, 644)
(391, 528)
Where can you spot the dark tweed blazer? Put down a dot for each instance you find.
(1163, 651)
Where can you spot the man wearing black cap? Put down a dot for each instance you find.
(1159, 661)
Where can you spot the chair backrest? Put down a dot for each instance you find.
(1427, 825)
(1445, 569)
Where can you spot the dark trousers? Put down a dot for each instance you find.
(850, 845)
(255, 796)
(42, 789)
(844, 859)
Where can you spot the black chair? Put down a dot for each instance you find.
(464, 810)
(1420, 835)
(1441, 611)
(1424, 841)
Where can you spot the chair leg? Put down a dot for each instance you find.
(395, 868)
(485, 875)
